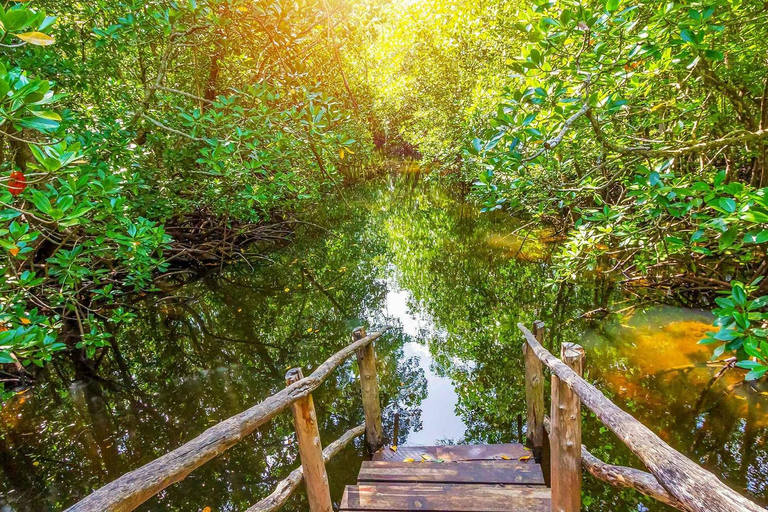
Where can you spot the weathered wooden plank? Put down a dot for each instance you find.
(134, 488)
(456, 453)
(310, 448)
(446, 498)
(480, 472)
(369, 385)
(534, 394)
(565, 437)
(695, 488)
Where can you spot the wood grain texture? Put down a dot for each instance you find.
(695, 488)
(565, 436)
(478, 472)
(134, 488)
(288, 486)
(459, 452)
(446, 498)
(369, 385)
(622, 476)
(310, 448)
(534, 394)
(628, 478)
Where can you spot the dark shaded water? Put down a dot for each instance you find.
(452, 282)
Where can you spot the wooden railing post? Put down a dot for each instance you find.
(565, 436)
(534, 394)
(369, 383)
(310, 449)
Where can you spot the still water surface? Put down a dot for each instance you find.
(451, 281)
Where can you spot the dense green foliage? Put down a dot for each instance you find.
(133, 133)
(138, 138)
(636, 128)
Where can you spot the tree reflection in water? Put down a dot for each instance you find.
(452, 282)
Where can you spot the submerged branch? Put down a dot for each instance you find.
(286, 487)
(624, 477)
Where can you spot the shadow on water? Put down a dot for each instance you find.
(407, 253)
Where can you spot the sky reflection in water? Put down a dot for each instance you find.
(452, 282)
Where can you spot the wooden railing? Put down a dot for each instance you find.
(673, 479)
(134, 488)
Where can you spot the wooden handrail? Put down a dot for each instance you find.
(134, 488)
(696, 489)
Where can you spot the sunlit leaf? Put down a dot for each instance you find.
(36, 38)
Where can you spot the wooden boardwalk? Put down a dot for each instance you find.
(479, 478)
(463, 478)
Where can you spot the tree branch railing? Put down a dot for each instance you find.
(135, 487)
(673, 479)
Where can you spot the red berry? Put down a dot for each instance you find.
(17, 183)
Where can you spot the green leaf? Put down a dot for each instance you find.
(612, 5)
(724, 302)
(727, 238)
(756, 238)
(739, 295)
(756, 374)
(727, 204)
(688, 36)
(37, 123)
(749, 365)
(41, 201)
(714, 55)
(726, 335)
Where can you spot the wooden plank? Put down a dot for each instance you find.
(456, 453)
(695, 488)
(565, 437)
(446, 498)
(369, 385)
(310, 449)
(480, 472)
(534, 394)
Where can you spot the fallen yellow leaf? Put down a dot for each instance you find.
(393, 448)
(24, 320)
(408, 460)
(524, 457)
(287, 290)
(207, 509)
(341, 153)
(36, 463)
(506, 457)
(309, 330)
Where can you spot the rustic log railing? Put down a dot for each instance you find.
(134, 488)
(673, 479)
